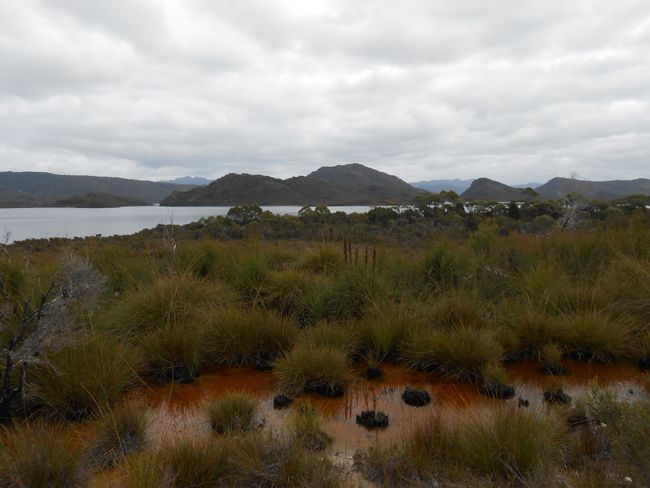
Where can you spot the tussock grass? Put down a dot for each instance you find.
(322, 259)
(232, 412)
(446, 266)
(168, 301)
(596, 336)
(39, 456)
(174, 352)
(86, 378)
(254, 459)
(549, 290)
(285, 291)
(461, 353)
(532, 329)
(121, 432)
(235, 336)
(307, 429)
(341, 337)
(510, 443)
(307, 368)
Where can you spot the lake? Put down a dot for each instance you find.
(38, 223)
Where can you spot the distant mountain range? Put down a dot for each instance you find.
(348, 184)
(33, 189)
(189, 180)
(486, 189)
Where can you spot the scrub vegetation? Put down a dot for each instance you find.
(85, 324)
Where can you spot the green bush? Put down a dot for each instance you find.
(308, 368)
(232, 412)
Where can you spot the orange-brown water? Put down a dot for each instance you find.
(178, 409)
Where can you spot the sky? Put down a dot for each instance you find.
(515, 90)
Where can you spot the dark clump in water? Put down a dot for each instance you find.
(178, 373)
(644, 363)
(557, 397)
(326, 390)
(281, 401)
(496, 389)
(553, 369)
(372, 419)
(416, 398)
(374, 373)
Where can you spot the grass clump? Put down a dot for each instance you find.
(461, 353)
(533, 330)
(235, 336)
(446, 266)
(322, 259)
(174, 352)
(171, 300)
(510, 443)
(85, 378)
(194, 463)
(232, 412)
(313, 368)
(122, 432)
(39, 456)
(307, 429)
(596, 336)
(335, 336)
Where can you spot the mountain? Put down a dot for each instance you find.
(19, 189)
(486, 189)
(189, 180)
(347, 184)
(436, 186)
(602, 190)
(99, 200)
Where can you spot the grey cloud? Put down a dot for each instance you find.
(514, 90)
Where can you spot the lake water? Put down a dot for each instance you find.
(38, 223)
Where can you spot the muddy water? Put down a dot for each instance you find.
(178, 409)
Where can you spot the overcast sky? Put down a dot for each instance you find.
(515, 90)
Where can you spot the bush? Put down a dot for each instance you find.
(446, 266)
(86, 378)
(232, 412)
(37, 456)
(306, 368)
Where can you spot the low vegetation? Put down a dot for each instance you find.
(454, 293)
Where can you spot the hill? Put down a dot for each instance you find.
(99, 200)
(486, 189)
(436, 186)
(602, 190)
(35, 188)
(348, 184)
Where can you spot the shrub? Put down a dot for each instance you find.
(232, 412)
(245, 337)
(121, 432)
(37, 456)
(307, 429)
(508, 442)
(306, 368)
(85, 378)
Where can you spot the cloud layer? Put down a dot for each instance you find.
(516, 90)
